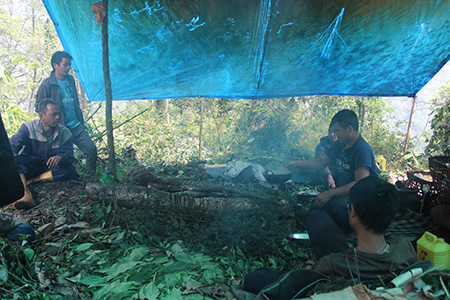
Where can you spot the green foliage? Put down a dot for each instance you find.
(439, 143)
(27, 40)
(268, 132)
(143, 272)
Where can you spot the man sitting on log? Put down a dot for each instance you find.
(354, 160)
(43, 150)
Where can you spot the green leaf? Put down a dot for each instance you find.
(173, 267)
(209, 276)
(119, 268)
(149, 291)
(117, 290)
(183, 257)
(173, 294)
(102, 292)
(172, 279)
(196, 297)
(120, 236)
(192, 285)
(3, 274)
(58, 245)
(93, 280)
(138, 253)
(142, 276)
(176, 248)
(83, 247)
(160, 259)
(123, 287)
(29, 253)
(273, 263)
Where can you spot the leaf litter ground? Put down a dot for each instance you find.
(95, 250)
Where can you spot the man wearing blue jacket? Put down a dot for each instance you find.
(43, 150)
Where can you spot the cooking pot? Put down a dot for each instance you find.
(409, 198)
(277, 178)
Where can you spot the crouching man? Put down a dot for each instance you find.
(43, 150)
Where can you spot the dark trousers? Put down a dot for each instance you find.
(34, 168)
(82, 139)
(328, 225)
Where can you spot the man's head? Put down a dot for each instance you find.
(61, 62)
(375, 202)
(345, 125)
(49, 113)
(332, 137)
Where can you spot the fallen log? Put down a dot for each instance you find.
(145, 176)
(131, 196)
(208, 188)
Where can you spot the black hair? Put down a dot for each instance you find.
(58, 56)
(376, 202)
(345, 118)
(42, 108)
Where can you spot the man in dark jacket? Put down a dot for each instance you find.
(60, 87)
(43, 150)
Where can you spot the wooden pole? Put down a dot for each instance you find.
(108, 93)
(409, 124)
(311, 119)
(167, 111)
(200, 134)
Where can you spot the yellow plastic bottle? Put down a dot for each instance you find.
(435, 249)
(381, 161)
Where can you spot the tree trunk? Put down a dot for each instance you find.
(167, 111)
(200, 134)
(108, 93)
(409, 124)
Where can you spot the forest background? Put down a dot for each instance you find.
(219, 130)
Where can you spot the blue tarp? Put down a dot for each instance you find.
(256, 48)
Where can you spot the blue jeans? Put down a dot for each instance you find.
(328, 225)
(22, 231)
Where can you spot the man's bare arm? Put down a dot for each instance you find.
(316, 163)
(344, 190)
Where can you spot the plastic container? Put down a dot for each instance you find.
(107, 177)
(381, 161)
(435, 249)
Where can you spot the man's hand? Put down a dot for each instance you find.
(291, 164)
(331, 183)
(322, 199)
(309, 264)
(53, 161)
